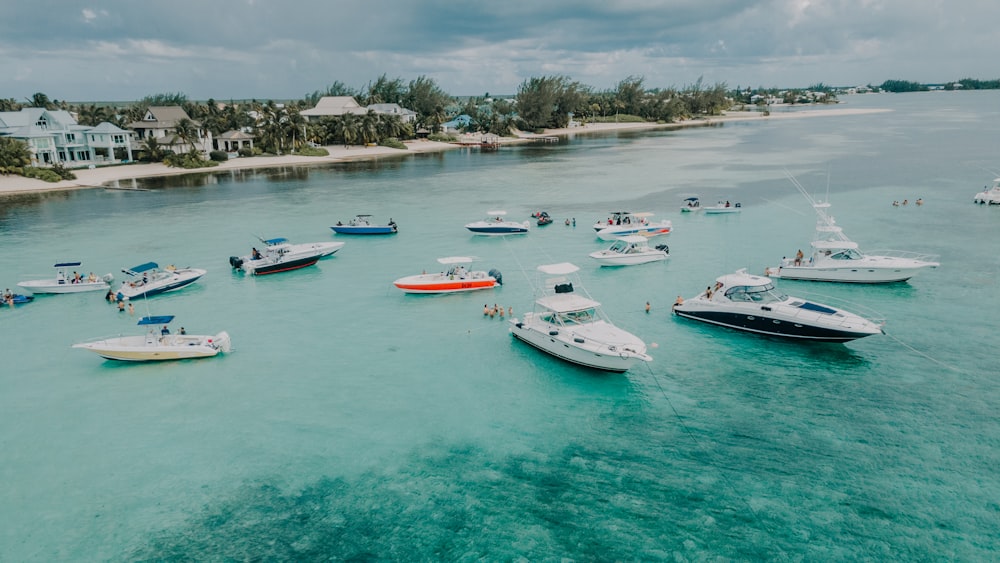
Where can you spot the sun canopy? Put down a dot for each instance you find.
(156, 320)
(560, 269)
(456, 259)
(497, 212)
(273, 241)
(142, 268)
(66, 264)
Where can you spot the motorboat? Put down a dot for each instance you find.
(147, 280)
(279, 255)
(989, 195)
(723, 207)
(362, 225)
(631, 250)
(495, 224)
(623, 223)
(836, 258)
(67, 281)
(574, 328)
(158, 344)
(691, 205)
(455, 278)
(751, 303)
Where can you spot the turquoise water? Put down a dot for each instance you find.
(352, 421)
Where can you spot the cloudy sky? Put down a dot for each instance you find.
(92, 50)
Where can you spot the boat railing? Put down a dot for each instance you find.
(904, 254)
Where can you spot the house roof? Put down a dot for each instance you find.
(234, 135)
(105, 127)
(394, 109)
(335, 105)
(162, 117)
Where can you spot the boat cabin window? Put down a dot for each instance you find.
(849, 254)
(755, 294)
(577, 317)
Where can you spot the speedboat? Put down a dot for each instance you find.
(147, 280)
(574, 328)
(691, 205)
(631, 250)
(751, 303)
(836, 258)
(990, 195)
(623, 223)
(723, 207)
(454, 279)
(67, 282)
(494, 224)
(279, 255)
(158, 345)
(362, 225)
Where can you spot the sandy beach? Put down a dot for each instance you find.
(102, 176)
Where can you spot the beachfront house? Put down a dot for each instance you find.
(232, 141)
(54, 136)
(333, 106)
(405, 115)
(460, 122)
(173, 130)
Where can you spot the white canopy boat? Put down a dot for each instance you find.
(456, 278)
(494, 224)
(147, 280)
(158, 344)
(66, 281)
(631, 250)
(836, 258)
(989, 195)
(751, 303)
(573, 327)
(624, 223)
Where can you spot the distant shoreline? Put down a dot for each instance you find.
(101, 177)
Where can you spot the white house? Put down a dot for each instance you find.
(54, 136)
(405, 115)
(160, 123)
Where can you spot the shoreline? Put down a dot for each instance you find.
(100, 177)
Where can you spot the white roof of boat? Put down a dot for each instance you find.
(741, 277)
(567, 302)
(560, 269)
(642, 214)
(834, 244)
(456, 259)
(496, 212)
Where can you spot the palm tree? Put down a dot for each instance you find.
(368, 127)
(186, 130)
(348, 129)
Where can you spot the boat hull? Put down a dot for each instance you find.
(606, 258)
(648, 230)
(721, 210)
(436, 283)
(367, 230)
(54, 287)
(565, 347)
(843, 275)
(181, 279)
(772, 326)
(497, 230)
(154, 348)
(278, 267)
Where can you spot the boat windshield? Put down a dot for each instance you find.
(578, 317)
(619, 246)
(756, 293)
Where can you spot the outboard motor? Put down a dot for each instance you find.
(663, 247)
(495, 274)
(236, 262)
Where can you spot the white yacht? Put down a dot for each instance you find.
(573, 327)
(990, 195)
(629, 251)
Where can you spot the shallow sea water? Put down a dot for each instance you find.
(352, 421)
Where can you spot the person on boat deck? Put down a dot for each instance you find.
(708, 292)
(727, 203)
(164, 331)
(182, 331)
(798, 257)
(339, 224)
(60, 277)
(255, 254)
(77, 278)
(91, 277)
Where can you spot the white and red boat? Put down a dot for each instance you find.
(455, 278)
